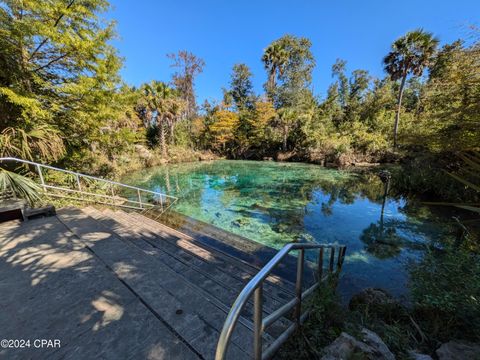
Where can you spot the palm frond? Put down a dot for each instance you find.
(20, 186)
(471, 169)
(472, 161)
(42, 142)
(465, 182)
(470, 208)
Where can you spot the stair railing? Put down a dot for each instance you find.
(112, 192)
(255, 288)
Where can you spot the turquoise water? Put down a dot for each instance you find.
(276, 203)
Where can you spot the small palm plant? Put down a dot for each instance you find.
(16, 185)
(42, 142)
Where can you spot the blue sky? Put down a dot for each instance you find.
(227, 32)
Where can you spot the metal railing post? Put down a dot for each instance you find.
(299, 285)
(113, 194)
(332, 258)
(139, 198)
(42, 181)
(341, 254)
(257, 322)
(106, 199)
(320, 264)
(254, 289)
(79, 186)
(78, 183)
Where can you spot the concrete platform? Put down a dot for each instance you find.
(113, 285)
(52, 287)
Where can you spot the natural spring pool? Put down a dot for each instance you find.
(275, 203)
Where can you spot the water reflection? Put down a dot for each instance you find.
(275, 203)
(381, 239)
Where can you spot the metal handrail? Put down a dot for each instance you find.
(255, 287)
(138, 204)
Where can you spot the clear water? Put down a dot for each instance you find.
(276, 203)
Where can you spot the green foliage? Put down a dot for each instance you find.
(471, 171)
(58, 69)
(410, 54)
(163, 109)
(62, 100)
(323, 326)
(451, 100)
(446, 289)
(356, 117)
(60, 97)
(183, 134)
(295, 80)
(241, 87)
(275, 58)
(42, 142)
(19, 186)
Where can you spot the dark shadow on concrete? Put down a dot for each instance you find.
(53, 287)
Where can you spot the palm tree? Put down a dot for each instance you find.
(275, 58)
(286, 117)
(165, 105)
(410, 55)
(175, 109)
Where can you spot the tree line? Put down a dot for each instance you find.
(62, 98)
(435, 91)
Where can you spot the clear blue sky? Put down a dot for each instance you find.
(226, 32)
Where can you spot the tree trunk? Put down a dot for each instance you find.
(384, 200)
(271, 82)
(399, 108)
(167, 180)
(161, 130)
(172, 133)
(285, 137)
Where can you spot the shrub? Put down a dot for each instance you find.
(446, 290)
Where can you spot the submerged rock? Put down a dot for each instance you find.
(257, 206)
(379, 302)
(458, 350)
(280, 228)
(346, 346)
(417, 356)
(305, 237)
(239, 222)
